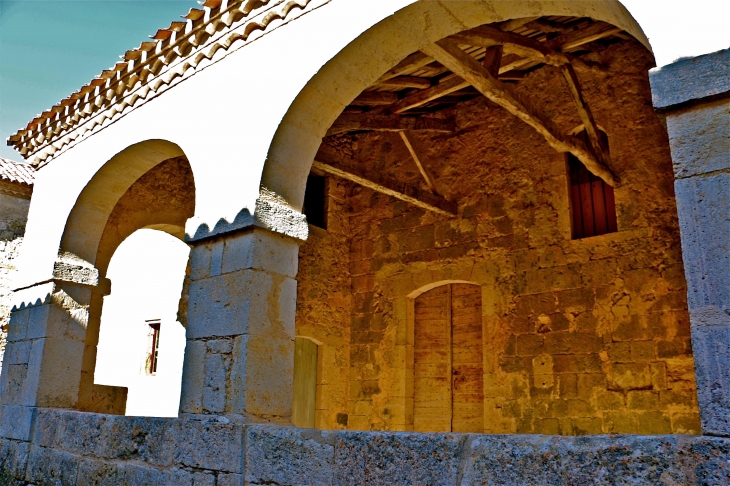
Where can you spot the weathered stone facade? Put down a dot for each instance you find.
(582, 336)
(16, 188)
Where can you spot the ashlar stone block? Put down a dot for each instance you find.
(240, 327)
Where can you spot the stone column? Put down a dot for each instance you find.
(239, 305)
(47, 349)
(695, 96)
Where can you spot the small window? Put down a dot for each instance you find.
(593, 206)
(154, 332)
(315, 201)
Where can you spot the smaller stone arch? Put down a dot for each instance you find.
(88, 219)
(147, 185)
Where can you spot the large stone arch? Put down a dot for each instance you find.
(386, 43)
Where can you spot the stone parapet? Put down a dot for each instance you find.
(69, 448)
(691, 79)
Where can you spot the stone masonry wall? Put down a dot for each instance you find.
(76, 448)
(9, 250)
(325, 258)
(13, 217)
(582, 336)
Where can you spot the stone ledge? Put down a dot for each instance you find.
(690, 80)
(73, 447)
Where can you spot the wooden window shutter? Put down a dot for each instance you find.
(593, 206)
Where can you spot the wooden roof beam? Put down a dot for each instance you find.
(414, 61)
(353, 122)
(375, 98)
(585, 114)
(424, 170)
(488, 36)
(401, 82)
(448, 53)
(447, 86)
(396, 189)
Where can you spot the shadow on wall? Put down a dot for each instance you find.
(141, 344)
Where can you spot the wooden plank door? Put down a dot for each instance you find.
(432, 367)
(448, 370)
(305, 382)
(467, 369)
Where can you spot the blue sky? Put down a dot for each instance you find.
(50, 48)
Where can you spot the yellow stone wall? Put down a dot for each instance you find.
(580, 336)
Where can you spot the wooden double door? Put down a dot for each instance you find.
(448, 359)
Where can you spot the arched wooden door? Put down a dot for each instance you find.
(448, 360)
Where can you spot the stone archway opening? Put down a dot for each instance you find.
(141, 343)
(452, 167)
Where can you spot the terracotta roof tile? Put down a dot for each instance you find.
(17, 172)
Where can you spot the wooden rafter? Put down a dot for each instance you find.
(425, 172)
(578, 38)
(493, 59)
(375, 98)
(352, 122)
(398, 190)
(419, 98)
(401, 82)
(530, 49)
(414, 61)
(585, 114)
(448, 53)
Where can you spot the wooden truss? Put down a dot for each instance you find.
(398, 190)
(486, 61)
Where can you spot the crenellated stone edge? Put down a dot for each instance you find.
(270, 214)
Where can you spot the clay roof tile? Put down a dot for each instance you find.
(17, 172)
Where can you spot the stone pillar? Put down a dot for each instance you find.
(695, 96)
(48, 350)
(43, 355)
(239, 301)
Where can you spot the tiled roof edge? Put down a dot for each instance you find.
(174, 54)
(16, 172)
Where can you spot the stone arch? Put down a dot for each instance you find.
(88, 219)
(148, 185)
(386, 43)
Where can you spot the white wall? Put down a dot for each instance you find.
(147, 273)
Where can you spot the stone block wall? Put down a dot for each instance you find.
(694, 97)
(77, 448)
(323, 306)
(581, 336)
(13, 217)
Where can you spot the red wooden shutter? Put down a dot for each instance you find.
(592, 201)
